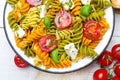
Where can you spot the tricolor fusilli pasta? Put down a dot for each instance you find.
(58, 32)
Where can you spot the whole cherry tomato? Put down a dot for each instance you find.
(115, 78)
(116, 51)
(91, 30)
(105, 59)
(63, 20)
(100, 74)
(117, 68)
(48, 43)
(19, 62)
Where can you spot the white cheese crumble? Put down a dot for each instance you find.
(85, 1)
(67, 4)
(71, 50)
(42, 11)
(20, 33)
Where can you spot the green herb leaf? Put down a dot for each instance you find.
(47, 22)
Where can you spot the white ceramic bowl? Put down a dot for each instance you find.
(75, 66)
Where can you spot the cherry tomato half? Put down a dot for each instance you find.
(115, 78)
(117, 68)
(48, 43)
(34, 2)
(63, 20)
(91, 30)
(100, 74)
(19, 62)
(105, 59)
(116, 51)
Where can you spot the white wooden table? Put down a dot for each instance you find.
(8, 70)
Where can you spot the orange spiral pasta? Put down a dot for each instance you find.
(35, 35)
(44, 58)
(17, 14)
(76, 9)
(21, 8)
(20, 43)
(24, 6)
(86, 41)
(63, 63)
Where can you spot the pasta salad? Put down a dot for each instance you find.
(58, 32)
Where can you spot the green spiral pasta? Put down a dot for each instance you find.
(86, 51)
(63, 34)
(73, 35)
(77, 34)
(101, 4)
(28, 52)
(96, 15)
(12, 2)
(12, 22)
(63, 43)
(55, 8)
(61, 51)
(52, 30)
(32, 18)
(62, 56)
(76, 18)
(47, 3)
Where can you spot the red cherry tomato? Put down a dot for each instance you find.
(115, 78)
(100, 74)
(116, 51)
(34, 2)
(105, 59)
(48, 43)
(63, 20)
(117, 68)
(19, 62)
(91, 30)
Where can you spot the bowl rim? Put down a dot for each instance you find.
(4, 25)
